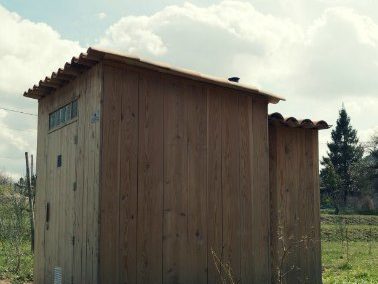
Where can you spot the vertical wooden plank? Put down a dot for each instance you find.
(40, 203)
(69, 222)
(260, 192)
(56, 208)
(246, 209)
(109, 220)
(97, 97)
(79, 192)
(290, 207)
(274, 200)
(92, 90)
(295, 208)
(49, 184)
(86, 183)
(304, 205)
(51, 173)
(317, 240)
(311, 164)
(214, 182)
(175, 230)
(128, 81)
(150, 179)
(61, 204)
(197, 202)
(230, 184)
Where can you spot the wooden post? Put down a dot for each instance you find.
(33, 182)
(31, 211)
(31, 166)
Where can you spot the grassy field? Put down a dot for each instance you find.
(350, 249)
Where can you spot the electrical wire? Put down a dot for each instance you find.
(9, 158)
(18, 111)
(17, 129)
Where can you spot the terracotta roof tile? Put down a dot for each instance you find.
(298, 123)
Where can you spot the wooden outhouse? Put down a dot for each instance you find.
(150, 174)
(294, 199)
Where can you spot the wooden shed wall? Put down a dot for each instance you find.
(294, 201)
(184, 172)
(70, 239)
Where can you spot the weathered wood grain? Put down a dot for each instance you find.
(294, 205)
(197, 178)
(230, 184)
(176, 213)
(128, 193)
(214, 183)
(260, 193)
(150, 179)
(245, 176)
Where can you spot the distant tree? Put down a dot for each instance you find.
(4, 179)
(344, 154)
(330, 184)
(372, 158)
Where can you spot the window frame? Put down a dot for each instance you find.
(63, 116)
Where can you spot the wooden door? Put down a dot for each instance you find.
(60, 211)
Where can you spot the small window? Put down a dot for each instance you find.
(63, 115)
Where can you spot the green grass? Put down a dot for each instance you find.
(16, 259)
(350, 211)
(327, 219)
(355, 233)
(359, 267)
(16, 266)
(358, 263)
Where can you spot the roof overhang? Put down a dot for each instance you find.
(277, 118)
(85, 61)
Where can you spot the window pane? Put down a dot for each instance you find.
(74, 109)
(54, 120)
(57, 117)
(62, 115)
(51, 120)
(68, 112)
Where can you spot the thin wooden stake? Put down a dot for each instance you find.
(31, 211)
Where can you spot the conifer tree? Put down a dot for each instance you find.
(344, 152)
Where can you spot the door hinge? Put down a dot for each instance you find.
(73, 240)
(74, 186)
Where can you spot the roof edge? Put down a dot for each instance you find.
(95, 55)
(291, 121)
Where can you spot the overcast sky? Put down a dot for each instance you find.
(317, 54)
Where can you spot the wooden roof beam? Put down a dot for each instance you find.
(69, 70)
(49, 84)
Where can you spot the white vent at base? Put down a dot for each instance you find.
(57, 275)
